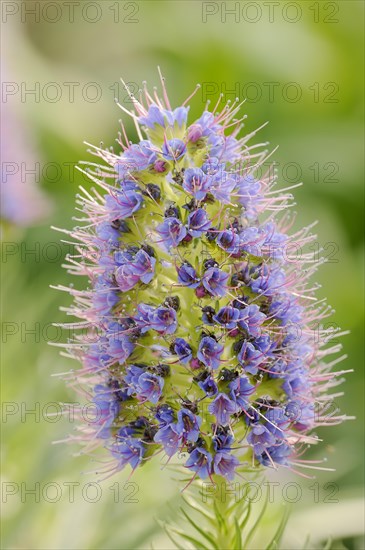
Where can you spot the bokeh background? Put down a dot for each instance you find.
(299, 65)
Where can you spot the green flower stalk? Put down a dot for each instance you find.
(209, 339)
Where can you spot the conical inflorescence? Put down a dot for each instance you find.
(207, 336)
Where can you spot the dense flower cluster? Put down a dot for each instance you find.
(208, 343)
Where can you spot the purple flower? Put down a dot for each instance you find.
(149, 387)
(169, 437)
(172, 232)
(251, 240)
(227, 317)
(163, 320)
(278, 454)
(157, 116)
(209, 386)
(269, 282)
(229, 241)
(241, 389)
(119, 347)
(250, 357)
(286, 309)
(137, 157)
(260, 438)
(188, 425)
(128, 450)
(196, 183)
(131, 378)
(222, 187)
(207, 322)
(251, 319)
(278, 420)
(123, 205)
(200, 461)
(173, 149)
(164, 415)
(222, 408)
(110, 234)
(225, 464)
(223, 439)
(215, 281)
(144, 266)
(212, 166)
(209, 352)
(187, 275)
(248, 193)
(107, 409)
(183, 350)
(104, 298)
(125, 277)
(195, 132)
(198, 222)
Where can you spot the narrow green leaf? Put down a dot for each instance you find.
(195, 506)
(246, 517)
(206, 535)
(328, 545)
(178, 546)
(253, 529)
(238, 537)
(274, 543)
(198, 544)
(220, 518)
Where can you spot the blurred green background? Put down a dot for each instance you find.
(299, 64)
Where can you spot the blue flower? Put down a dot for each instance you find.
(229, 241)
(173, 149)
(241, 389)
(248, 193)
(164, 414)
(107, 406)
(260, 438)
(156, 116)
(149, 387)
(187, 275)
(163, 320)
(209, 386)
(172, 232)
(270, 282)
(123, 205)
(225, 464)
(198, 222)
(222, 408)
(183, 350)
(196, 183)
(223, 439)
(250, 357)
(188, 425)
(227, 317)
(215, 281)
(278, 454)
(251, 319)
(222, 187)
(119, 347)
(209, 352)
(200, 461)
(137, 157)
(128, 450)
(169, 437)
